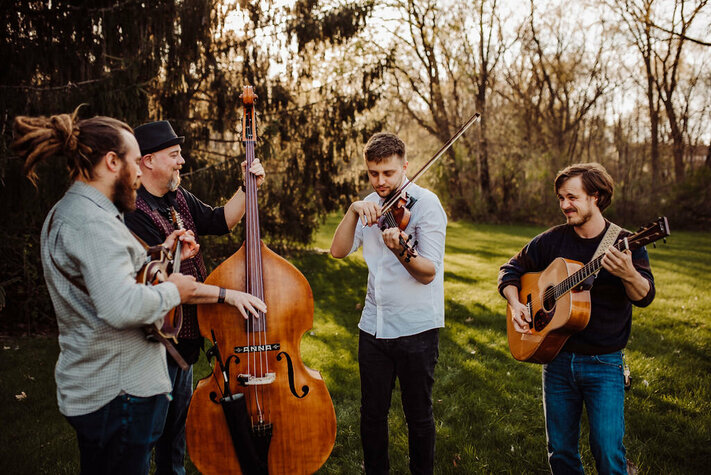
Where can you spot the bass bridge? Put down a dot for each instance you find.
(251, 380)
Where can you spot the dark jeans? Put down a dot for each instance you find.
(569, 381)
(170, 449)
(118, 438)
(412, 360)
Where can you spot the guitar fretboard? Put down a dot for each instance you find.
(578, 277)
(647, 235)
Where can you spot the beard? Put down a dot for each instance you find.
(174, 182)
(580, 219)
(125, 191)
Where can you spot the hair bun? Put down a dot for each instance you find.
(67, 132)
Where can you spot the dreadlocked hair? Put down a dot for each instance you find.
(82, 142)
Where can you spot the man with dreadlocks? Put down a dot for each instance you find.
(111, 382)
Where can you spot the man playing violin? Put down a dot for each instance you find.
(404, 305)
(160, 192)
(589, 368)
(112, 383)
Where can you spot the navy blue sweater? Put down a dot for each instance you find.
(611, 309)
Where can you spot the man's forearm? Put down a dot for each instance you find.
(343, 237)
(420, 268)
(234, 209)
(510, 292)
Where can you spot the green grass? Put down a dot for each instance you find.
(487, 405)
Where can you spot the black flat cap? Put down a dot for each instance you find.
(155, 136)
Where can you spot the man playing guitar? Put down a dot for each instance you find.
(589, 368)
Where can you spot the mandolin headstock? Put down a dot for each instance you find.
(177, 220)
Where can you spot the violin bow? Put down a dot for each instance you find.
(396, 196)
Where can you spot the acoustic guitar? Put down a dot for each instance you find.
(558, 306)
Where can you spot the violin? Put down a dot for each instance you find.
(396, 209)
(398, 216)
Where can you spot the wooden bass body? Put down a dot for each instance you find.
(553, 321)
(296, 403)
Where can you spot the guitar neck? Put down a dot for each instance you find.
(578, 277)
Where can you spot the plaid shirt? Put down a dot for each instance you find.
(90, 262)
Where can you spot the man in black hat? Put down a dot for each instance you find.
(159, 194)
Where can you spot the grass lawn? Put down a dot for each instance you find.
(487, 405)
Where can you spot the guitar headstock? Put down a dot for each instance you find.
(649, 233)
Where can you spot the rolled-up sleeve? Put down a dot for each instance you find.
(431, 232)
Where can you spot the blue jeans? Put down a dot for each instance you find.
(570, 380)
(412, 360)
(118, 438)
(170, 449)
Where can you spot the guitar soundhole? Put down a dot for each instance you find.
(549, 300)
(541, 319)
(544, 316)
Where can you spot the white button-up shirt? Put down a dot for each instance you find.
(396, 304)
(90, 261)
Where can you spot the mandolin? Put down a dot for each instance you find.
(161, 263)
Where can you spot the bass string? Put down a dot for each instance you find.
(256, 335)
(251, 277)
(252, 256)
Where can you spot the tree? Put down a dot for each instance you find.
(441, 61)
(557, 82)
(179, 60)
(660, 37)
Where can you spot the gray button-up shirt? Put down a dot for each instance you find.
(90, 262)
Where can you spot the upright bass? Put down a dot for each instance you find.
(261, 410)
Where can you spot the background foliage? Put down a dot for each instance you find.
(623, 83)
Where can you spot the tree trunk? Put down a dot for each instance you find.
(483, 154)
